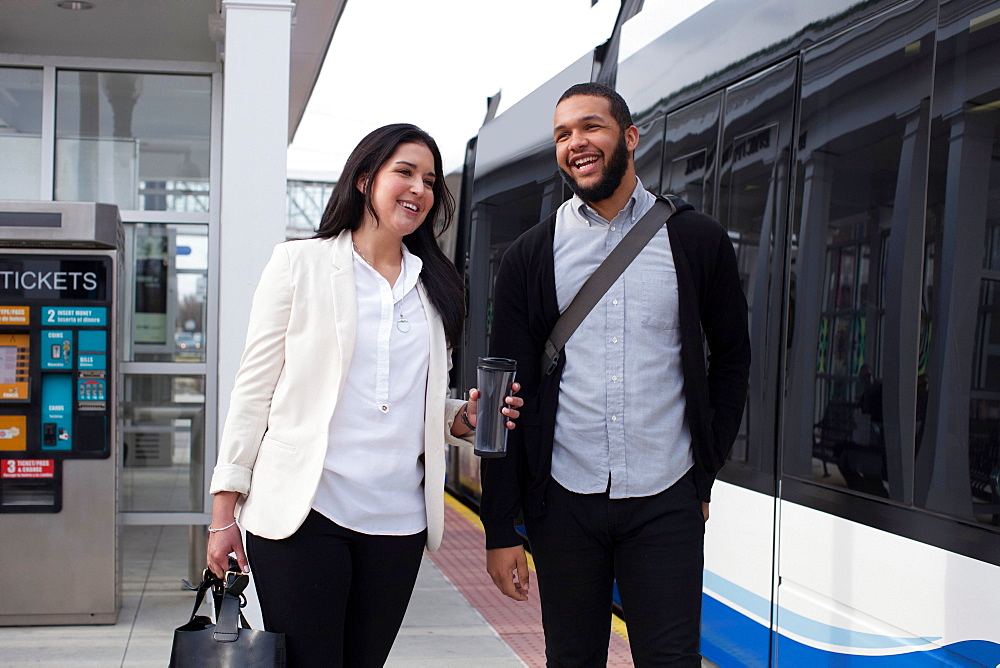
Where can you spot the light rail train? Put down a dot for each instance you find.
(852, 150)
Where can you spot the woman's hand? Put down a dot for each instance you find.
(510, 409)
(220, 545)
(228, 539)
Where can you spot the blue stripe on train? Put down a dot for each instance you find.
(731, 639)
(804, 627)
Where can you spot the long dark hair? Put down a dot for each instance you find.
(347, 205)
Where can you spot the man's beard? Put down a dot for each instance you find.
(612, 177)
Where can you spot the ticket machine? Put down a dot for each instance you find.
(60, 264)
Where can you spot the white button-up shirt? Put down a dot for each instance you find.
(620, 425)
(373, 475)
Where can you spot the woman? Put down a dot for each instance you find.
(333, 450)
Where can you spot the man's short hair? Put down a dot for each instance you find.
(619, 109)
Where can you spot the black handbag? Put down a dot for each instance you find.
(229, 643)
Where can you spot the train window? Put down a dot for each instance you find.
(495, 223)
(689, 152)
(647, 155)
(958, 397)
(753, 191)
(854, 330)
(693, 188)
(745, 197)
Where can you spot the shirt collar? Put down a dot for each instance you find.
(408, 276)
(592, 217)
(409, 272)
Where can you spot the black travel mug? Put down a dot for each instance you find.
(495, 375)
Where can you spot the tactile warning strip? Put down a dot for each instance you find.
(462, 559)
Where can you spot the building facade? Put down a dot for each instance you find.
(180, 114)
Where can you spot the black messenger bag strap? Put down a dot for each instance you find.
(603, 278)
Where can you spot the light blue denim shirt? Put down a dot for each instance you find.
(620, 426)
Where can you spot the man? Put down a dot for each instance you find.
(618, 448)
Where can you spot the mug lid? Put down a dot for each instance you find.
(497, 364)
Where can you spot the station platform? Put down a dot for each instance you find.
(456, 616)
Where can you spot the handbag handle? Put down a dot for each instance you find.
(208, 580)
(229, 602)
(231, 619)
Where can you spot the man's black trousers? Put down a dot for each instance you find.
(652, 546)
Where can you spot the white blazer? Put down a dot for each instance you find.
(298, 351)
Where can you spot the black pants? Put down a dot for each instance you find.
(338, 595)
(653, 546)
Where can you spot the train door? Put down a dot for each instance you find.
(858, 340)
(750, 199)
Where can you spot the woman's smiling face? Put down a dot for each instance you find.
(403, 189)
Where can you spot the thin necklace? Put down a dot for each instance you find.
(403, 325)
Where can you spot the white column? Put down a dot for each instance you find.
(254, 148)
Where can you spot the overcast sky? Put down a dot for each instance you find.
(435, 63)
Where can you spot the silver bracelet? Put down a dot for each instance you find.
(228, 526)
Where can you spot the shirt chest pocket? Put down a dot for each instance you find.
(658, 298)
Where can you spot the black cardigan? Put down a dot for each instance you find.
(711, 303)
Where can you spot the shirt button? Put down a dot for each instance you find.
(614, 379)
(612, 228)
(614, 418)
(614, 339)
(615, 302)
(384, 408)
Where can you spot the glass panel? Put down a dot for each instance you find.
(140, 141)
(164, 441)
(745, 195)
(169, 282)
(688, 173)
(647, 156)
(689, 152)
(753, 189)
(863, 130)
(958, 398)
(306, 202)
(20, 133)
